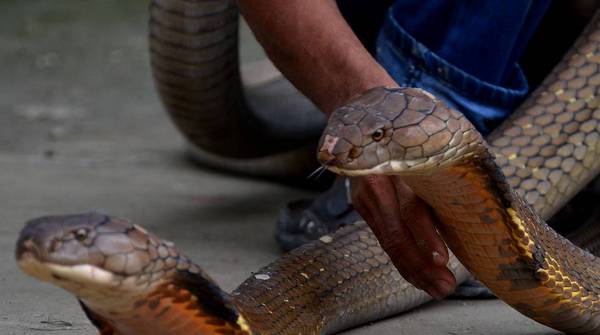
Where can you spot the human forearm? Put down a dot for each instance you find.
(311, 43)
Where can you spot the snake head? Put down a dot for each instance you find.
(395, 131)
(91, 252)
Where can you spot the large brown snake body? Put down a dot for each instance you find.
(131, 282)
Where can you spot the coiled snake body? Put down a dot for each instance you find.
(131, 282)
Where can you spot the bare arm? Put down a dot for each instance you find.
(311, 43)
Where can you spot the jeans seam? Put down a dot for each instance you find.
(443, 79)
(410, 79)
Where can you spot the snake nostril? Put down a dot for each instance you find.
(55, 244)
(355, 152)
(27, 246)
(325, 156)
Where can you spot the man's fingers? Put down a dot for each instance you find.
(438, 281)
(431, 244)
(413, 209)
(376, 199)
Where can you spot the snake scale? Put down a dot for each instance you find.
(131, 282)
(194, 57)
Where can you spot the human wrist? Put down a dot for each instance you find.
(353, 85)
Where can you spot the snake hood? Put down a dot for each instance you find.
(395, 130)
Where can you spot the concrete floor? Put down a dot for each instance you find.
(81, 129)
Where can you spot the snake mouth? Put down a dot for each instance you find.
(378, 169)
(61, 275)
(392, 167)
(31, 261)
(26, 249)
(91, 284)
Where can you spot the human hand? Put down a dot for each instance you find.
(405, 228)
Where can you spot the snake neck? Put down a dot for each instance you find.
(168, 308)
(507, 246)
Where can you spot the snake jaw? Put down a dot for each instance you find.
(384, 168)
(86, 281)
(62, 275)
(408, 167)
(92, 284)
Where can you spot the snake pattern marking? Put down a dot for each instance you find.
(131, 282)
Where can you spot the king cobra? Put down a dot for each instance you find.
(489, 199)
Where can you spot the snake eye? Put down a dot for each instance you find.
(80, 234)
(378, 135)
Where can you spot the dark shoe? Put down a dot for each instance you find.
(472, 289)
(305, 220)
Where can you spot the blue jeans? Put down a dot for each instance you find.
(412, 64)
(465, 52)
